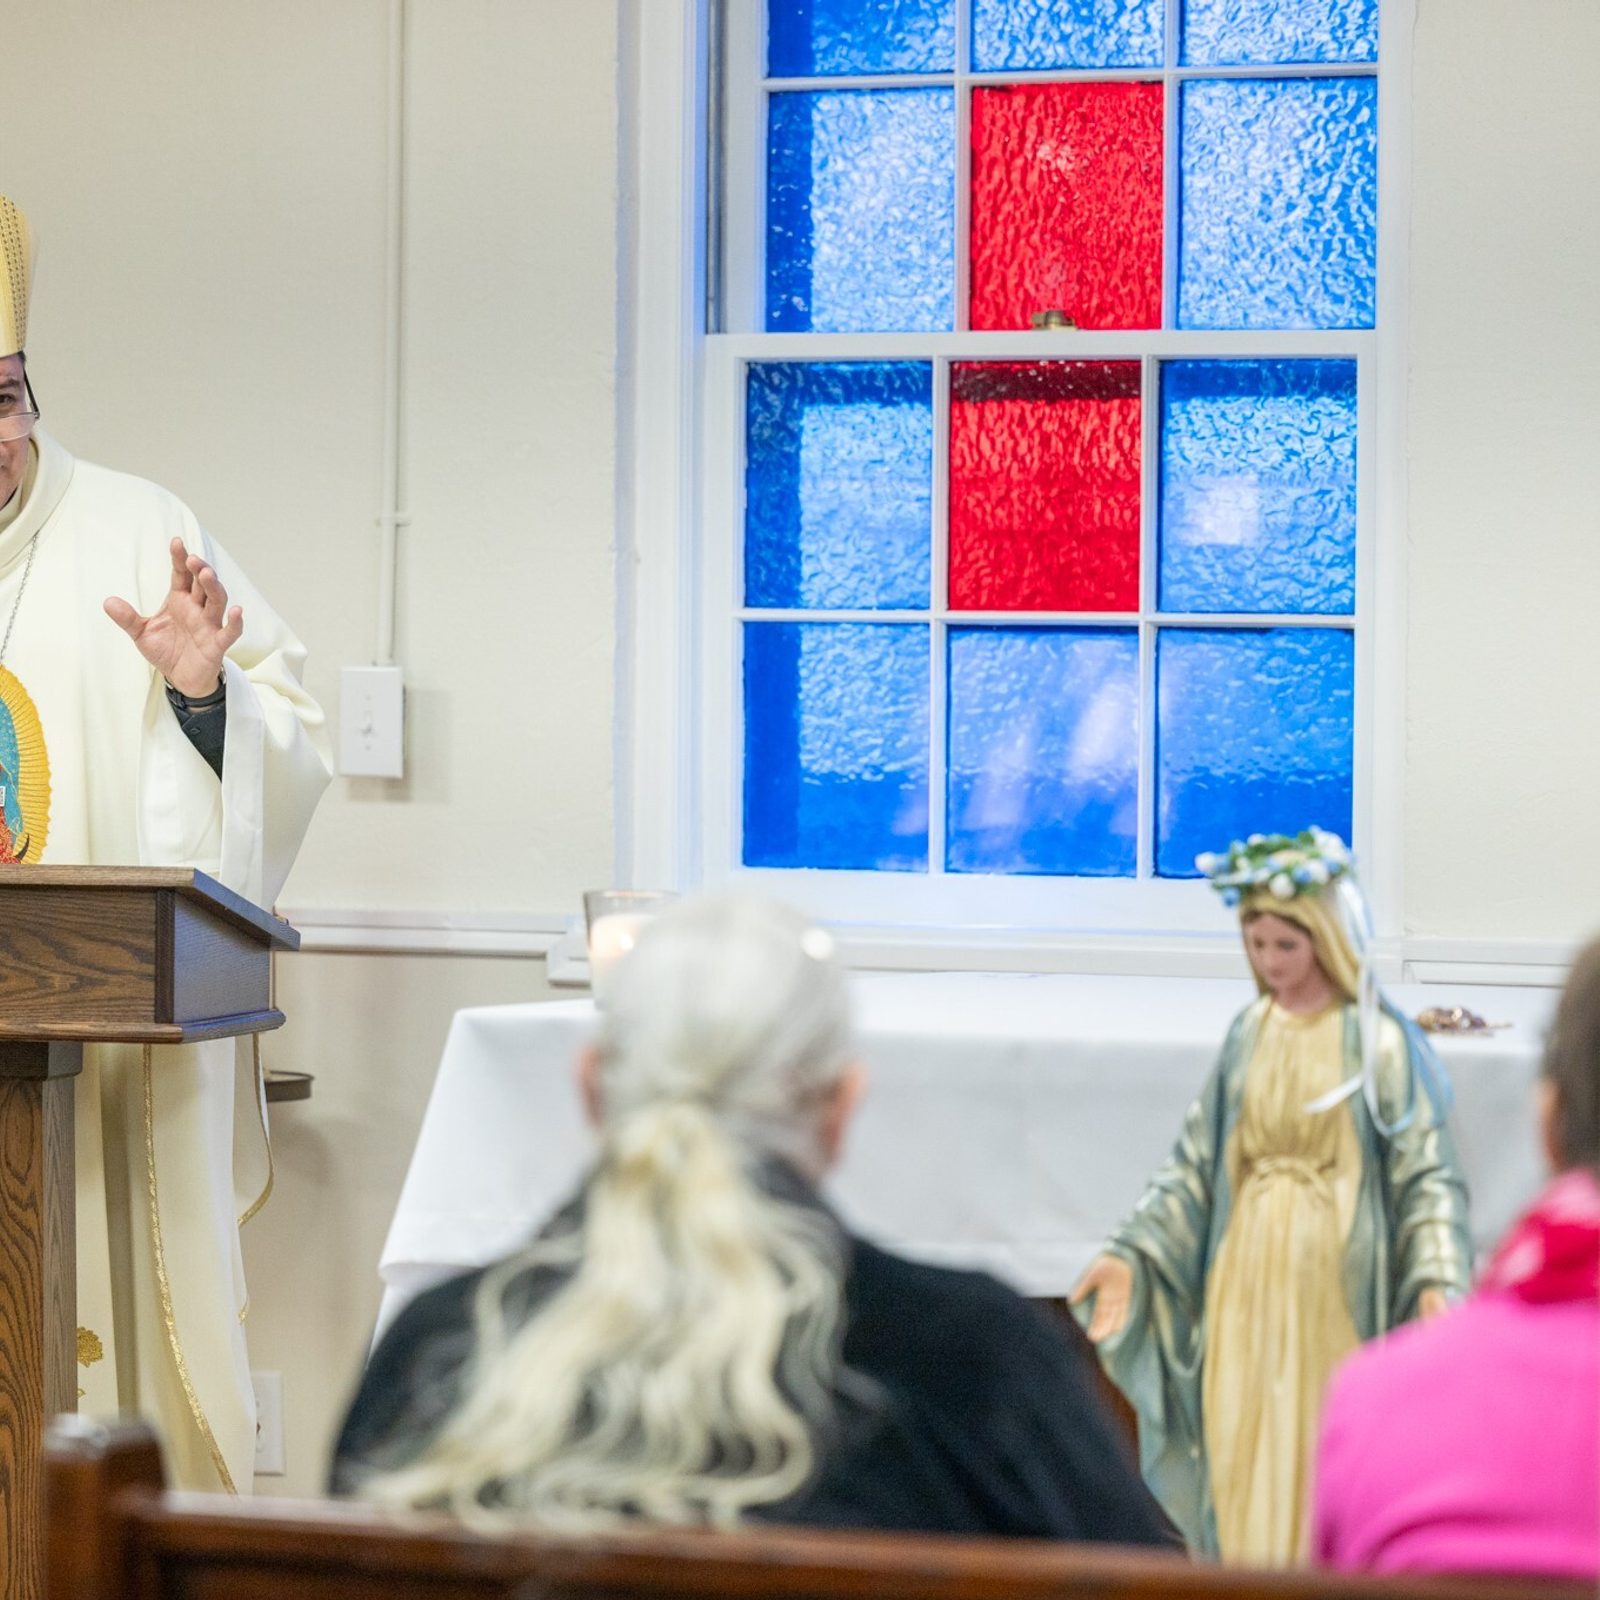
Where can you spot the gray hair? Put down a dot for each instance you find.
(1572, 1063)
(682, 1370)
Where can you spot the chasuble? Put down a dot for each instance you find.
(172, 1152)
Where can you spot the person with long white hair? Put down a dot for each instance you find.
(696, 1340)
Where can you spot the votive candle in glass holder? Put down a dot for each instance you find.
(615, 918)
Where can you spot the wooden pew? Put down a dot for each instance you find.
(112, 1533)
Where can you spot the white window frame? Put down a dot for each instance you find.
(680, 742)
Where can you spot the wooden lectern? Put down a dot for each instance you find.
(89, 955)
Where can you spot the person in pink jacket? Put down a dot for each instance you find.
(1472, 1443)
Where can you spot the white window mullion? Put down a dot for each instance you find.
(1145, 861)
(1054, 345)
(963, 135)
(1381, 492)
(938, 754)
(1307, 69)
(811, 614)
(721, 763)
(1170, 152)
(744, 169)
(1374, 628)
(1149, 523)
(1258, 619)
(939, 612)
(863, 81)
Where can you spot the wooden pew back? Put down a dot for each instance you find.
(112, 1533)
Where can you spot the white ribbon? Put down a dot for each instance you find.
(1357, 921)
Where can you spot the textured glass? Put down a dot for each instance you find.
(1254, 734)
(861, 211)
(1242, 33)
(1258, 486)
(822, 38)
(1044, 486)
(1044, 751)
(1031, 34)
(1066, 204)
(836, 745)
(1279, 203)
(838, 484)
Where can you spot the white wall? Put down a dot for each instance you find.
(207, 183)
(1503, 764)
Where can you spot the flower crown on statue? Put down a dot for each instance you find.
(1285, 865)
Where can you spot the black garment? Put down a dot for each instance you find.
(204, 722)
(986, 1419)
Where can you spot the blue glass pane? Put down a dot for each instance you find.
(1258, 486)
(836, 745)
(1241, 33)
(1044, 751)
(838, 484)
(861, 211)
(1254, 734)
(1023, 34)
(820, 38)
(1279, 203)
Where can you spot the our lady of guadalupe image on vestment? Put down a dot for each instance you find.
(24, 775)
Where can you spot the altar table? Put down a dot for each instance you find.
(1009, 1121)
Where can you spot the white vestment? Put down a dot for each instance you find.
(164, 1175)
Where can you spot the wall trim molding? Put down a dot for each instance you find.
(325, 930)
(558, 940)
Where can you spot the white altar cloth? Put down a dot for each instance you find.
(1009, 1120)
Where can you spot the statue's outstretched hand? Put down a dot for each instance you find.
(1110, 1280)
(1431, 1303)
(195, 628)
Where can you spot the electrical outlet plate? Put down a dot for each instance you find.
(371, 722)
(269, 1423)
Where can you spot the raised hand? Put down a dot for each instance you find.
(1110, 1280)
(195, 628)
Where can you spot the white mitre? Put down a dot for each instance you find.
(16, 277)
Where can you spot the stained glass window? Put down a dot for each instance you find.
(1258, 486)
(1044, 486)
(861, 211)
(1245, 33)
(1043, 751)
(1279, 203)
(822, 38)
(1051, 347)
(1254, 734)
(838, 484)
(1029, 35)
(1066, 204)
(836, 745)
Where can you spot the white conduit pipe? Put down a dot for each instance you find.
(390, 518)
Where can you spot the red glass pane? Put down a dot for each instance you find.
(1044, 486)
(1066, 204)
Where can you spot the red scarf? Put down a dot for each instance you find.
(1553, 1251)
